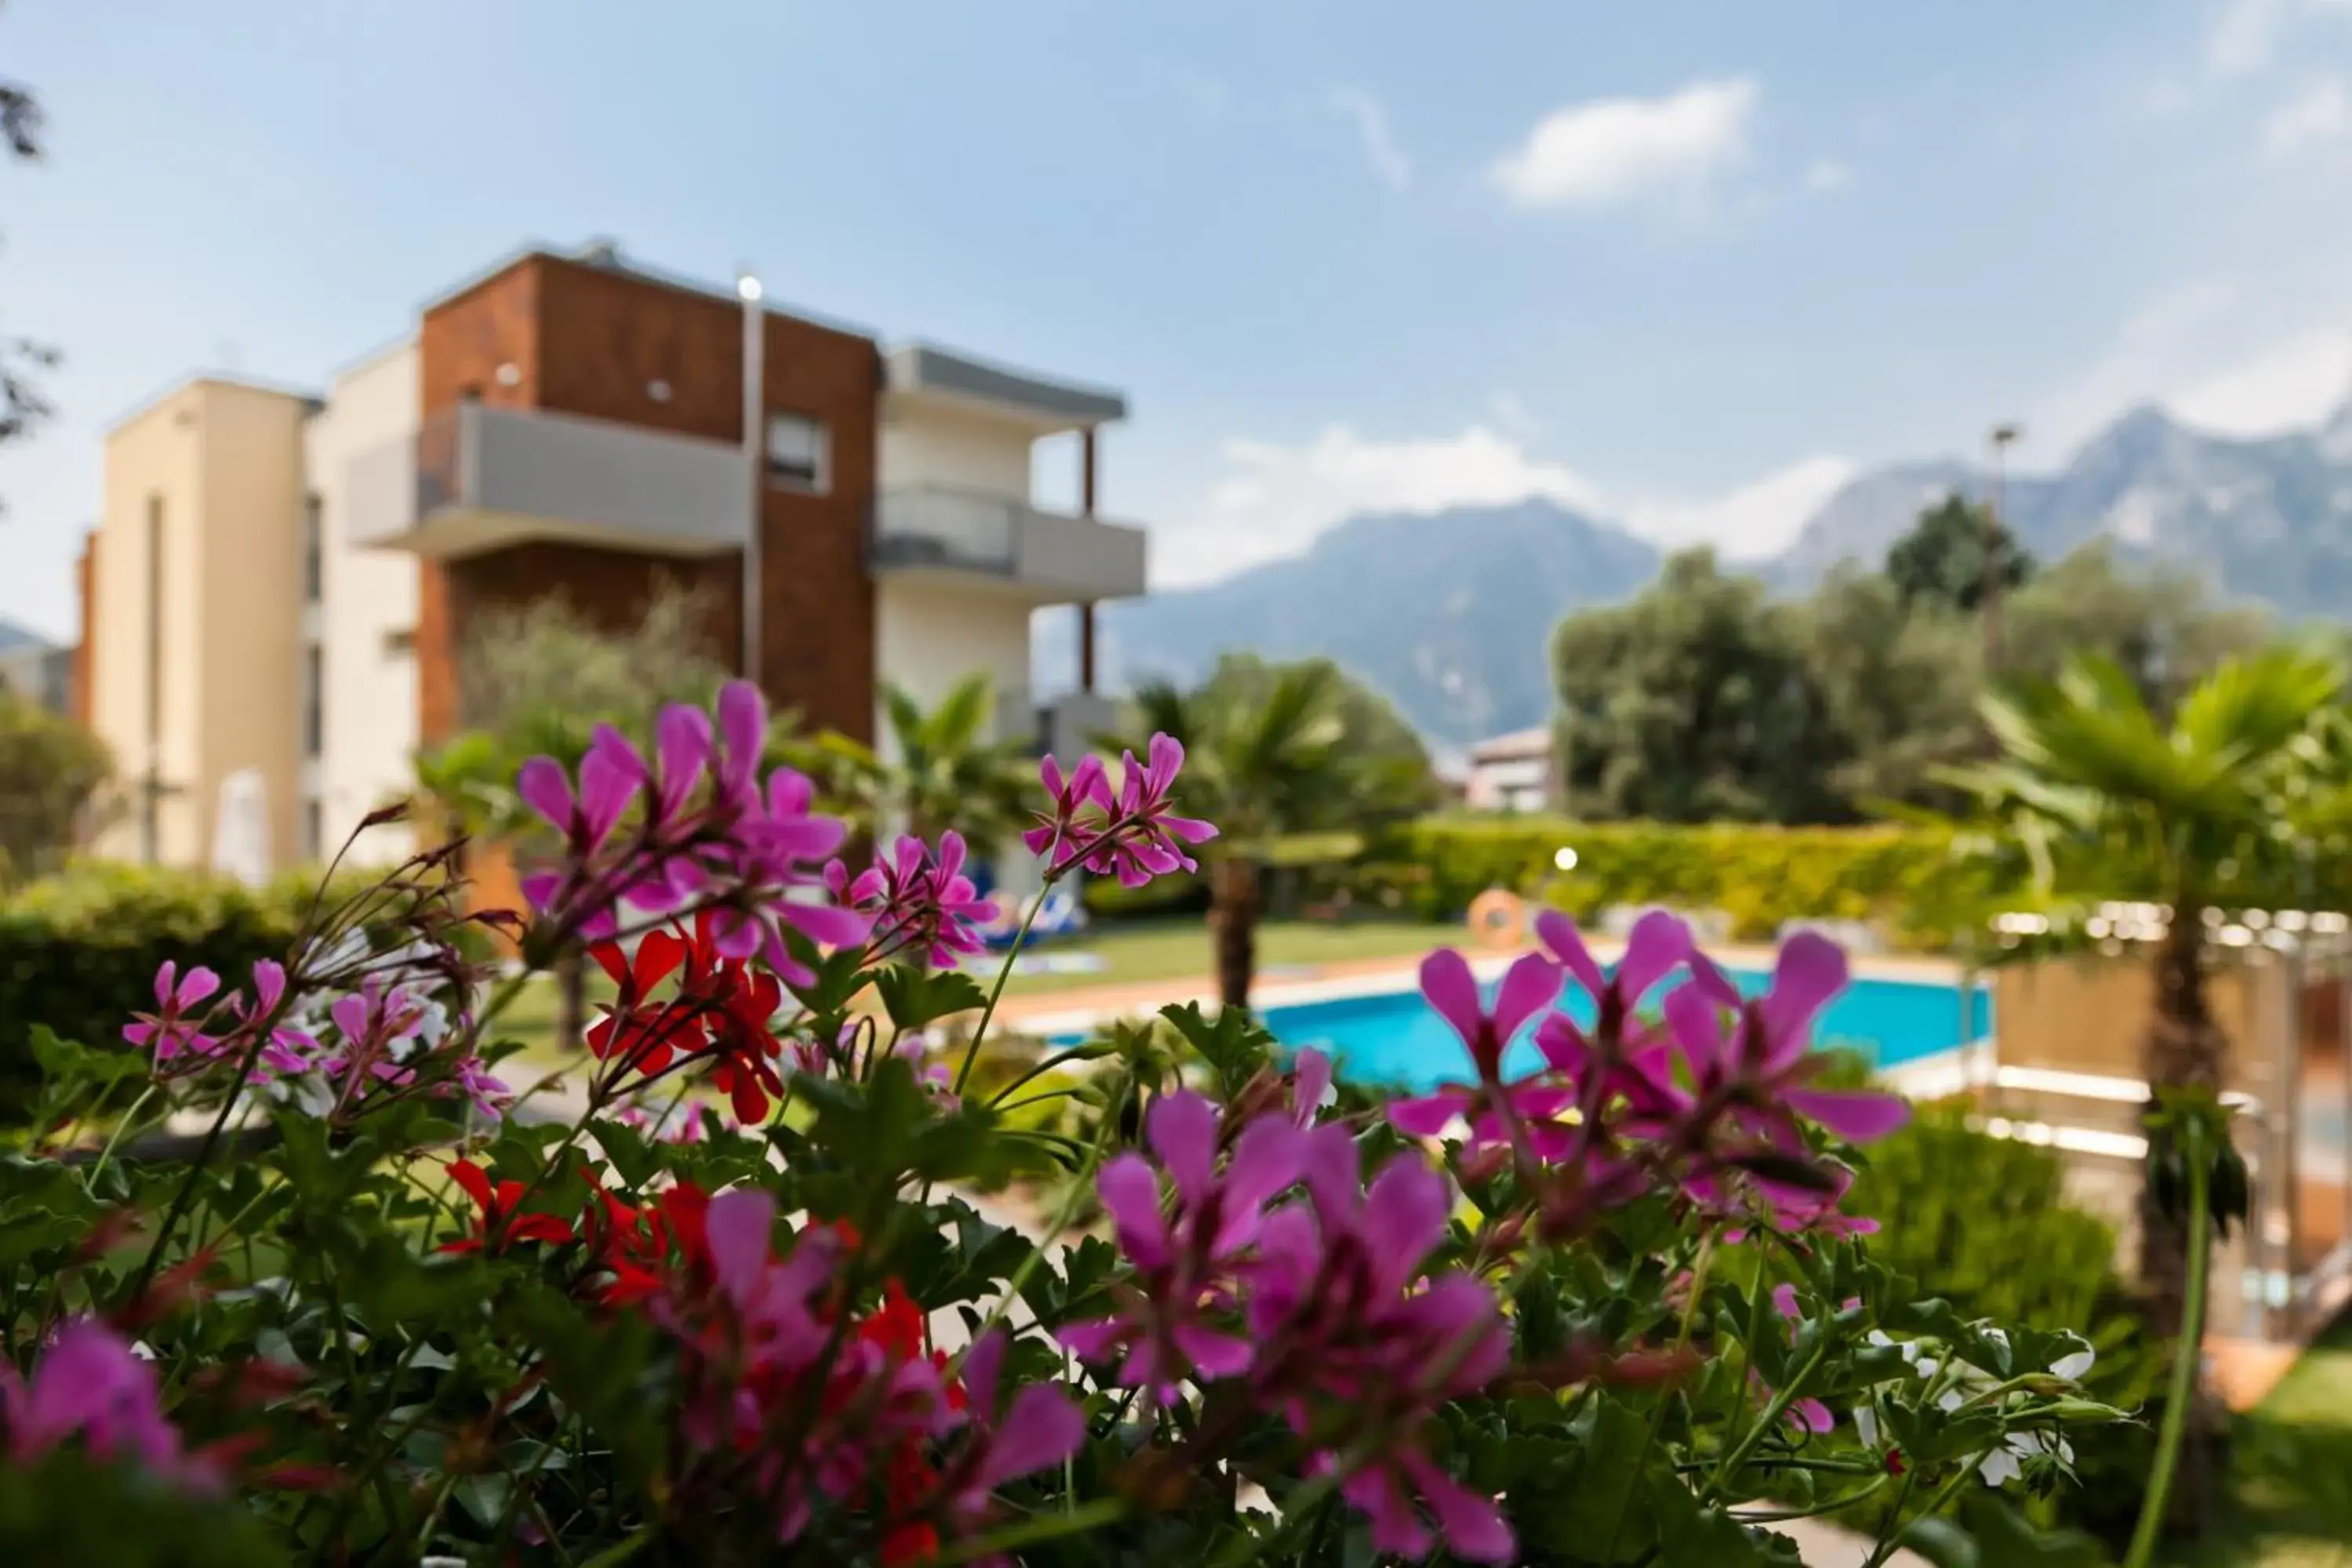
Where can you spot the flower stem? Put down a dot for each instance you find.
(2186, 1350)
(1658, 1411)
(1943, 1494)
(1003, 973)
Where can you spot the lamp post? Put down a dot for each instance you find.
(2002, 435)
(755, 459)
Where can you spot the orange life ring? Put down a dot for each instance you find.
(1497, 918)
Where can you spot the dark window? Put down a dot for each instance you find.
(797, 450)
(313, 700)
(399, 644)
(155, 621)
(313, 831)
(313, 567)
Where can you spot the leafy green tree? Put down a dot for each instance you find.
(2161, 624)
(947, 767)
(1944, 559)
(51, 772)
(537, 679)
(1273, 749)
(2117, 802)
(1900, 678)
(1694, 702)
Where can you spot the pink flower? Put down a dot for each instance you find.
(1310, 1086)
(1134, 834)
(90, 1385)
(1761, 1070)
(470, 1077)
(1630, 1060)
(1338, 1305)
(288, 1049)
(1494, 1107)
(1183, 1267)
(777, 853)
(1077, 807)
(1039, 1426)
(173, 1028)
(920, 905)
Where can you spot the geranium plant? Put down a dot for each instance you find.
(293, 1274)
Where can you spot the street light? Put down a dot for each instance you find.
(755, 458)
(2002, 435)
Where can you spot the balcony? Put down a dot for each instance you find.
(478, 478)
(1049, 558)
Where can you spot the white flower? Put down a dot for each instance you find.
(2075, 1368)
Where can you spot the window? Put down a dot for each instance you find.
(400, 644)
(313, 700)
(314, 831)
(313, 567)
(154, 622)
(797, 450)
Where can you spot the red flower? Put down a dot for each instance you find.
(644, 1038)
(744, 1045)
(498, 1223)
(630, 1243)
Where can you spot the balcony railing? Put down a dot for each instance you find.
(1051, 556)
(478, 478)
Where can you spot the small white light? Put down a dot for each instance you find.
(658, 391)
(510, 374)
(747, 288)
(1564, 858)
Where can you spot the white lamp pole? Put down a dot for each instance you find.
(755, 455)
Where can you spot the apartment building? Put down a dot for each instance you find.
(1511, 772)
(574, 424)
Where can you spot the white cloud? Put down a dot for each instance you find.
(2246, 33)
(2238, 361)
(1614, 150)
(1761, 518)
(2321, 112)
(2293, 382)
(1275, 500)
(1826, 175)
(1365, 112)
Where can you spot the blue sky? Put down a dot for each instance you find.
(1684, 264)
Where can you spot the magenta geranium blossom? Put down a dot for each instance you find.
(174, 1028)
(1005, 1440)
(1760, 1065)
(1492, 1107)
(1133, 834)
(922, 905)
(1183, 1266)
(90, 1385)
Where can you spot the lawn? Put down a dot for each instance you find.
(2289, 1497)
(1176, 952)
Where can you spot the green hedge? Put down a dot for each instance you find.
(1983, 1222)
(1905, 878)
(78, 952)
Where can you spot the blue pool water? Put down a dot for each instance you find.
(1394, 1038)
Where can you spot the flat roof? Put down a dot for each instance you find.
(310, 399)
(1519, 743)
(926, 367)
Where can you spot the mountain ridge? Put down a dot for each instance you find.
(1449, 612)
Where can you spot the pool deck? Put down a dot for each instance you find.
(1083, 1007)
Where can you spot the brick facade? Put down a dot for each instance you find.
(598, 340)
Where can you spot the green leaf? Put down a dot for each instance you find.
(917, 998)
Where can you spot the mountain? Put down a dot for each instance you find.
(1448, 612)
(2267, 518)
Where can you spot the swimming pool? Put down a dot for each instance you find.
(1393, 1038)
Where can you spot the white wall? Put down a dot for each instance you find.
(369, 598)
(927, 444)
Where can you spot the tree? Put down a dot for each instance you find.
(1900, 679)
(537, 679)
(946, 770)
(2159, 624)
(1694, 702)
(2116, 801)
(51, 770)
(1271, 750)
(1943, 559)
(23, 361)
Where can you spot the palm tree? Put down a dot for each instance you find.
(2113, 801)
(1264, 759)
(950, 771)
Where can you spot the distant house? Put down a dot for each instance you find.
(33, 667)
(1511, 772)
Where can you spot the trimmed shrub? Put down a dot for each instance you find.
(1911, 882)
(1983, 1222)
(78, 951)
